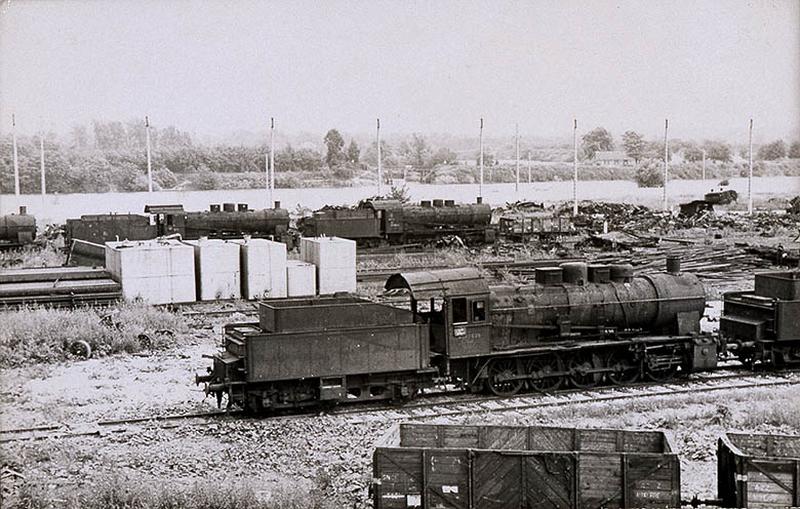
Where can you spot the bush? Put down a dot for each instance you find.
(42, 335)
(650, 174)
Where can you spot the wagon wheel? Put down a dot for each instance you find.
(501, 377)
(621, 370)
(540, 368)
(580, 368)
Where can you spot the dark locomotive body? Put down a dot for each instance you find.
(392, 221)
(460, 331)
(229, 221)
(763, 325)
(17, 230)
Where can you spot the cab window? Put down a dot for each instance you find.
(479, 311)
(459, 310)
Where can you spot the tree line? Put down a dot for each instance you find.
(110, 156)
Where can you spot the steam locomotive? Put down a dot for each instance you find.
(377, 221)
(229, 221)
(16, 230)
(577, 324)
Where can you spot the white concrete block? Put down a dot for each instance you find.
(331, 280)
(263, 268)
(301, 279)
(328, 252)
(158, 272)
(217, 269)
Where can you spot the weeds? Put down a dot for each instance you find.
(44, 335)
(116, 491)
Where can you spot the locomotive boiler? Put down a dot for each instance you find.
(228, 221)
(583, 329)
(17, 229)
(395, 222)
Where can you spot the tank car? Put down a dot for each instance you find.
(16, 230)
(577, 324)
(763, 325)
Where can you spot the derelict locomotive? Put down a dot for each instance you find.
(579, 324)
(377, 221)
(229, 221)
(17, 230)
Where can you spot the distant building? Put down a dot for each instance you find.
(612, 158)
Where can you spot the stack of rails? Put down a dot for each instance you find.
(58, 287)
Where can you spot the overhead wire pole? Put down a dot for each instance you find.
(575, 167)
(16, 160)
(666, 161)
(41, 162)
(271, 161)
(149, 163)
(480, 162)
(750, 175)
(516, 184)
(704, 164)
(380, 163)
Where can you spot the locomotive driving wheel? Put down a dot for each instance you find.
(503, 379)
(581, 368)
(621, 369)
(540, 370)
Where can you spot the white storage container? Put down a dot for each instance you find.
(301, 279)
(156, 271)
(263, 268)
(217, 269)
(335, 259)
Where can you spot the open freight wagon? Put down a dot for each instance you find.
(487, 467)
(758, 470)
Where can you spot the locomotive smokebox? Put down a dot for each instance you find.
(214, 207)
(242, 207)
(229, 207)
(673, 265)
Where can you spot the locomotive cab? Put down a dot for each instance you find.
(169, 219)
(458, 308)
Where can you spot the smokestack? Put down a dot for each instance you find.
(575, 167)
(149, 163)
(380, 165)
(480, 186)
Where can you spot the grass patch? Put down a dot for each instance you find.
(43, 335)
(118, 491)
(49, 255)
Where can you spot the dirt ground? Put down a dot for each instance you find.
(295, 453)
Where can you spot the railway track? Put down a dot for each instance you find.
(492, 404)
(434, 405)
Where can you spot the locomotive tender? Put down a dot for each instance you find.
(578, 324)
(229, 221)
(392, 221)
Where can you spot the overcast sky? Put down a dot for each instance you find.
(428, 66)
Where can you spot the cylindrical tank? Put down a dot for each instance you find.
(673, 264)
(575, 273)
(649, 302)
(622, 272)
(549, 275)
(17, 229)
(263, 222)
(472, 214)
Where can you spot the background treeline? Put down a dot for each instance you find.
(111, 156)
